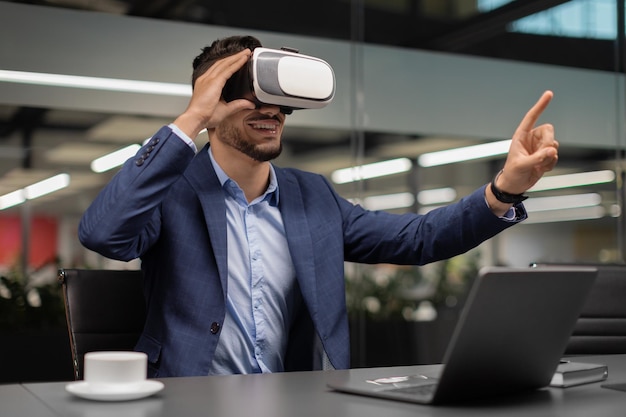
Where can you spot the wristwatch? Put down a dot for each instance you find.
(505, 197)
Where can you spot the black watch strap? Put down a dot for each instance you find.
(503, 196)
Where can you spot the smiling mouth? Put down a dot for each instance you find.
(264, 127)
(270, 127)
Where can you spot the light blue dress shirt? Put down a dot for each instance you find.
(263, 294)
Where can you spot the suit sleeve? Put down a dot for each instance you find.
(124, 219)
(378, 236)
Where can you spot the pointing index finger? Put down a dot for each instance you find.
(529, 120)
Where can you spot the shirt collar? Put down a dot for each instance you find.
(271, 194)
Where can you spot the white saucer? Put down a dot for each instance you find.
(116, 393)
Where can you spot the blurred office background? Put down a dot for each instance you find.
(414, 78)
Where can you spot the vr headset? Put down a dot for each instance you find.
(284, 78)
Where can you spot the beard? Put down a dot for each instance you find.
(259, 152)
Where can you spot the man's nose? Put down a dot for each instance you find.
(269, 109)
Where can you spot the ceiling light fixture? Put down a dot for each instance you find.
(389, 201)
(35, 190)
(406, 199)
(573, 214)
(95, 83)
(47, 186)
(374, 170)
(12, 199)
(466, 153)
(573, 180)
(436, 196)
(562, 202)
(114, 159)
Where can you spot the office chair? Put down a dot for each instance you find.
(105, 310)
(601, 326)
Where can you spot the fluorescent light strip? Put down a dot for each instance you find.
(375, 170)
(563, 202)
(47, 186)
(573, 180)
(436, 196)
(466, 153)
(114, 159)
(35, 190)
(574, 214)
(388, 201)
(96, 83)
(406, 199)
(12, 199)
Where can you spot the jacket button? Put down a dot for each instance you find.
(215, 327)
(139, 162)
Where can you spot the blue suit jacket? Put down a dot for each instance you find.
(167, 207)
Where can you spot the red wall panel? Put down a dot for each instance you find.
(43, 240)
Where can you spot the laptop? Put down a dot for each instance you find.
(509, 339)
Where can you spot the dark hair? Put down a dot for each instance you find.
(219, 49)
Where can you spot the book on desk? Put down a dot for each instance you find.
(569, 374)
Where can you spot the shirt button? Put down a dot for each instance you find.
(215, 327)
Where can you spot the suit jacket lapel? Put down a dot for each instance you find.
(298, 235)
(202, 177)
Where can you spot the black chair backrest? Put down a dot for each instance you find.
(105, 310)
(601, 327)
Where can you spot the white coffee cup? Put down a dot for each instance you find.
(115, 369)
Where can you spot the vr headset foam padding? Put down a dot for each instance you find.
(283, 78)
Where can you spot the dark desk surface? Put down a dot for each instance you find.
(305, 394)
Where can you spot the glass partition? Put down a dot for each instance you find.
(406, 314)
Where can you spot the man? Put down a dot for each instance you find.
(243, 261)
